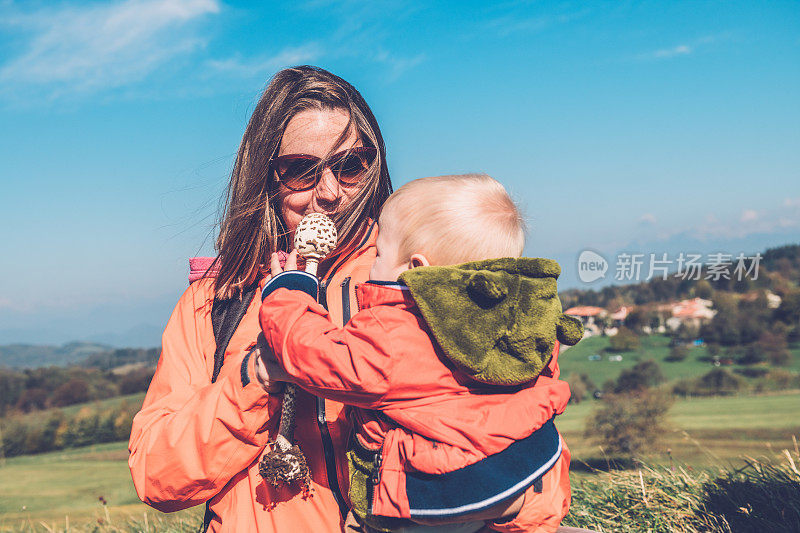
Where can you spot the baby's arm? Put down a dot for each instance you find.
(349, 364)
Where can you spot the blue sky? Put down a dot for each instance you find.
(647, 126)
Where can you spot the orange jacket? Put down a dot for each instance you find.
(195, 441)
(442, 424)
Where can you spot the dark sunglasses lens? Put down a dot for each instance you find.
(351, 167)
(297, 173)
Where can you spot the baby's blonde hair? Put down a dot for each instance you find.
(455, 219)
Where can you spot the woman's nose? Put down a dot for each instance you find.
(327, 189)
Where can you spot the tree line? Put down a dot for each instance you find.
(35, 389)
(56, 429)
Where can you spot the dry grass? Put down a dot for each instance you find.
(107, 521)
(761, 496)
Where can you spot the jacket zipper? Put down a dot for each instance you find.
(374, 479)
(325, 433)
(346, 300)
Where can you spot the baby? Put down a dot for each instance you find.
(450, 364)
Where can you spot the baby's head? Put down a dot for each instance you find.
(446, 220)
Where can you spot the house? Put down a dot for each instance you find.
(773, 300)
(693, 313)
(618, 317)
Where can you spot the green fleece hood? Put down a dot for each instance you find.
(497, 319)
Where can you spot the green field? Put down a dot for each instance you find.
(59, 488)
(705, 431)
(52, 488)
(656, 347)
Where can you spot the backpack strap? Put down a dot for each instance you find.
(226, 314)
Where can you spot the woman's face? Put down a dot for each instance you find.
(315, 132)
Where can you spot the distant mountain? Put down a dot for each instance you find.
(35, 356)
(141, 335)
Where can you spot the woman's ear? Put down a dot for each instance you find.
(418, 260)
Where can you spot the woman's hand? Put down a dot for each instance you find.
(268, 372)
(270, 375)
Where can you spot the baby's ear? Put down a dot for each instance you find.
(418, 260)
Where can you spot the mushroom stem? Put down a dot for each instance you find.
(311, 266)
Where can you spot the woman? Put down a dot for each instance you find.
(312, 145)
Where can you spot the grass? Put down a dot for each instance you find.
(710, 436)
(64, 487)
(761, 496)
(705, 431)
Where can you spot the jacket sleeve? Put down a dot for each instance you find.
(192, 436)
(351, 365)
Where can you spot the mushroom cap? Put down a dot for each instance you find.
(315, 236)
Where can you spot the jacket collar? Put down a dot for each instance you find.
(372, 293)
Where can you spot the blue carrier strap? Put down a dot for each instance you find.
(481, 485)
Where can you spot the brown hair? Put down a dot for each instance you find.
(454, 219)
(251, 227)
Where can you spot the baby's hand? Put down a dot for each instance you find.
(275, 262)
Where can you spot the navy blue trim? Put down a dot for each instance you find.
(244, 372)
(397, 284)
(487, 482)
(295, 280)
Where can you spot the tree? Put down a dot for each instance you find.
(73, 391)
(724, 327)
(624, 341)
(677, 353)
(636, 320)
(719, 381)
(643, 375)
(31, 399)
(703, 289)
(581, 386)
(627, 424)
(684, 333)
(11, 386)
(136, 380)
(789, 310)
(774, 346)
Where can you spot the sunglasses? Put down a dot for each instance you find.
(301, 172)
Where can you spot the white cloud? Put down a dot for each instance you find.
(666, 53)
(514, 18)
(398, 65)
(749, 215)
(791, 202)
(84, 49)
(647, 219)
(259, 66)
(776, 220)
